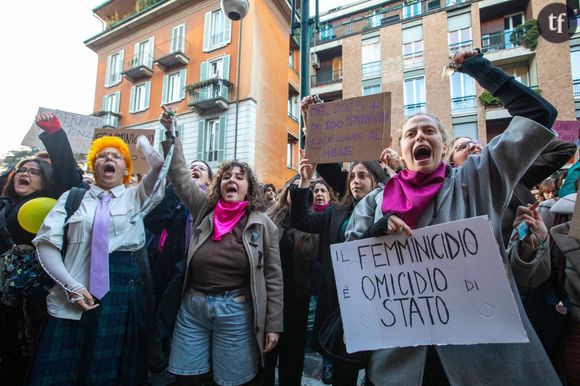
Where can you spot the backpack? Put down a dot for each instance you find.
(73, 202)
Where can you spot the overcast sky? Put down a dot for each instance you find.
(45, 62)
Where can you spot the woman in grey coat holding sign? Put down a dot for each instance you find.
(430, 192)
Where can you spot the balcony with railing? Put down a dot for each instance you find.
(413, 60)
(576, 88)
(380, 17)
(172, 53)
(371, 70)
(463, 104)
(464, 45)
(110, 119)
(322, 78)
(209, 95)
(501, 40)
(113, 12)
(138, 67)
(415, 108)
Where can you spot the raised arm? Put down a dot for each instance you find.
(185, 188)
(67, 173)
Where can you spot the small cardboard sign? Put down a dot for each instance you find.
(444, 285)
(567, 131)
(349, 130)
(140, 165)
(79, 129)
(575, 226)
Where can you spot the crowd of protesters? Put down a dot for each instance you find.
(212, 275)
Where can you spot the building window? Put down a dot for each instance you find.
(412, 9)
(212, 140)
(216, 68)
(462, 93)
(178, 38)
(468, 130)
(217, 30)
(293, 107)
(459, 28)
(143, 54)
(111, 104)
(575, 61)
(413, 47)
(140, 97)
(173, 87)
(114, 69)
(326, 32)
(414, 95)
(371, 58)
(291, 152)
(371, 88)
(291, 59)
(375, 20)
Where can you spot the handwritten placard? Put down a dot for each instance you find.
(349, 130)
(444, 285)
(140, 164)
(567, 131)
(575, 226)
(79, 129)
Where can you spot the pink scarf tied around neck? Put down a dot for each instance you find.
(409, 193)
(226, 216)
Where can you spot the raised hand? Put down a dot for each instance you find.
(306, 170)
(391, 158)
(48, 122)
(166, 118)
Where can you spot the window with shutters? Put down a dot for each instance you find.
(178, 38)
(140, 97)
(462, 93)
(111, 104)
(217, 30)
(174, 87)
(212, 140)
(114, 69)
(413, 47)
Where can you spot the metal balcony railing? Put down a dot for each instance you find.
(172, 52)
(371, 70)
(380, 16)
(322, 78)
(467, 44)
(413, 60)
(463, 103)
(209, 94)
(415, 108)
(110, 119)
(576, 88)
(499, 41)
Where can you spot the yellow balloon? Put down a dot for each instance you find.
(32, 214)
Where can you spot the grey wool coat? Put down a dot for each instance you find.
(260, 239)
(483, 185)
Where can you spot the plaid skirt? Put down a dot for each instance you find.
(107, 345)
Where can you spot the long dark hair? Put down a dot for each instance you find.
(375, 172)
(46, 178)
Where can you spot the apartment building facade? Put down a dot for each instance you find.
(402, 47)
(236, 95)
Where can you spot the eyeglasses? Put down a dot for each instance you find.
(467, 144)
(31, 172)
(107, 154)
(201, 167)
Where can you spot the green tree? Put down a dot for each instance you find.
(11, 158)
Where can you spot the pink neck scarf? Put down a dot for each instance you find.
(320, 208)
(408, 193)
(226, 216)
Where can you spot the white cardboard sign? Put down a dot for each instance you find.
(79, 129)
(444, 285)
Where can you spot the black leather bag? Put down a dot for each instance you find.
(331, 340)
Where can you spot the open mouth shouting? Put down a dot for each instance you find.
(422, 154)
(231, 192)
(195, 174)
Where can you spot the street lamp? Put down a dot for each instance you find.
(236, 10)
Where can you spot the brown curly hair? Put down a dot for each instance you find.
(254, 197)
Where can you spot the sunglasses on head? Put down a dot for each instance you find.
(465, 145)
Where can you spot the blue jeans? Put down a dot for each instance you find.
(215, 332)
